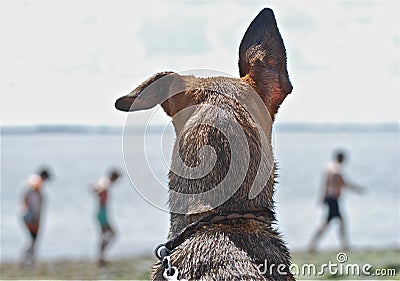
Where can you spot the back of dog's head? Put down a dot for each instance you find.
(222, 156)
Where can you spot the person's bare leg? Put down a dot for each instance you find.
(33, 252)
(29, 257)
(107, 236)
(317, 236)
(343, 235)
(103, 245)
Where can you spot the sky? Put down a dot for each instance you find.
(66, 62)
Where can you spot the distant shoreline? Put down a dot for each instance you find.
(118, 130)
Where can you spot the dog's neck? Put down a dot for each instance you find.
(234, 180)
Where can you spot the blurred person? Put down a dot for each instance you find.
(334, 183)
(32, 209)
(101, 188)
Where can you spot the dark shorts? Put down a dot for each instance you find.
(31, 224)
(33, 229)
(333, 207)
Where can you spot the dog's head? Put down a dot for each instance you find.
(262, 64)
(263, 85)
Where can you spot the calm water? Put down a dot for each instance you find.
(69, 228)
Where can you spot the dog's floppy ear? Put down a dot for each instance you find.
(262, 60)
(151, 92)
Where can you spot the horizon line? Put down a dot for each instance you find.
(114, 129)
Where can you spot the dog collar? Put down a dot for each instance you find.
(164, 251)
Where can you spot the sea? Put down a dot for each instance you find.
(78, 158)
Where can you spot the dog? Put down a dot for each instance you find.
(221, 182)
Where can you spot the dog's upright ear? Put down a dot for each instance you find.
(262, 60)
(153, 91)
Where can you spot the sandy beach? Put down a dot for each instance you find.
(387, 262)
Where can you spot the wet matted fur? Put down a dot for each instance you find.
(202, 110)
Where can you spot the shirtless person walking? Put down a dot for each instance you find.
(333, 185)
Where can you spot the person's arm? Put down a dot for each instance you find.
(349, 185)
(92, 188)
(25, 203)
(324, 187)
(354, 187)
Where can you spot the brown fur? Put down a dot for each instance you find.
(234, 249)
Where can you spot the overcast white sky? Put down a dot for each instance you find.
(67, 61)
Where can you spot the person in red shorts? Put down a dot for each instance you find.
(32, 206)
(101, 188)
